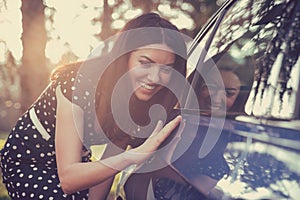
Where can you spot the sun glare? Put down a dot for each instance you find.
(72, 28)
(183, 22)
(10, 26)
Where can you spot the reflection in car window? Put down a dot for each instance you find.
(259, 40)
(254, 39)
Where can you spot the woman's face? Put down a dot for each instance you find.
(150, 68)
(214, 97)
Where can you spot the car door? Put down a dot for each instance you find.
(260, 138)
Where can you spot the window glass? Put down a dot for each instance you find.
(258, 39)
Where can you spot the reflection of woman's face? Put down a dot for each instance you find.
(150, 67)
(213, 97)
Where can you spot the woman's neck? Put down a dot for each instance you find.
(139, 111)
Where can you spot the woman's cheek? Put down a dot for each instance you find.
(165, 78)
(230, 102)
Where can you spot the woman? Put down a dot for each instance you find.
(217, 93)
(220, 94)
(47, 154)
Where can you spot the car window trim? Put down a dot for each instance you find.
(218, 19)
(207, 26)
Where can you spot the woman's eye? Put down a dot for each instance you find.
(145, 63)
(230, 93)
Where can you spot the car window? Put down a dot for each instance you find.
(258, 40)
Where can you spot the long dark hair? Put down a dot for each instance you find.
(136, 33)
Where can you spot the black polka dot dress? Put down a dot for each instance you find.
(28, 161)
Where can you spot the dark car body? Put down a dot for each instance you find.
(260, 143)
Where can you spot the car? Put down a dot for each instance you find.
(261, 142)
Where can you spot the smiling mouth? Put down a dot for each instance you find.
(146, 86)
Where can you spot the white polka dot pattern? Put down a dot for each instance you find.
(28, 160)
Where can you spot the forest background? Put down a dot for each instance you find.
(38, 35)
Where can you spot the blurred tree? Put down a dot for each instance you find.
(33, 71)
(146, 6)
(106, 20)
(67, 57)
(198, 11)
(9, 87)
(201, 12)
(8, 75)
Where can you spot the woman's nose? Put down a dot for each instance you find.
(219, 97)
(153, 74)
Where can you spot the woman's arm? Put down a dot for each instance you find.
(75, 175)
(101, 190)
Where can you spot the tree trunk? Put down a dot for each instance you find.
(33, 71)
